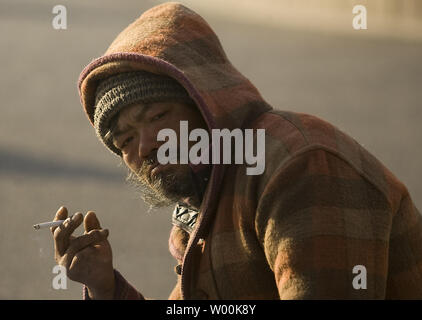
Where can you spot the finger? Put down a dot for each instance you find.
(64, 231)
(90, 238)
(91, 221)
(80, 260)
(61, 214)
(82, 242)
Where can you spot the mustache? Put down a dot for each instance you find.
(146, 167)
(159, 181)
(152, 189)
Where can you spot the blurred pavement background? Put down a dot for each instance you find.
(367, 84)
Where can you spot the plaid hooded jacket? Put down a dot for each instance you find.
(322, 206)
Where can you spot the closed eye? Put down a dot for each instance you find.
(125, 142)
(158, 116)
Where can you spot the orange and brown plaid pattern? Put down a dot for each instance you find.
(323, 205)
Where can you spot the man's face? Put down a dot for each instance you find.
(135, 134)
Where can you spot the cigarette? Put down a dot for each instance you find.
(49, 224)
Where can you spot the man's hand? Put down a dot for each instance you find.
(87, 258)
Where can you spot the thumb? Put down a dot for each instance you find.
(91, 222)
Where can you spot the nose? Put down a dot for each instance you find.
(147, 144)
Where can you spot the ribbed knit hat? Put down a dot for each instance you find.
(121, 90)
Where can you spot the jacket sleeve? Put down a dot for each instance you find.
(123, 290)
(324, 229)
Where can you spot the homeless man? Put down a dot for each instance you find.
(322, 206)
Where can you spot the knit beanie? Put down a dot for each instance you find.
(121, 90)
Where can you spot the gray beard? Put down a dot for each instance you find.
(164, 189)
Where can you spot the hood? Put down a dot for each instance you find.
(172, 40)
